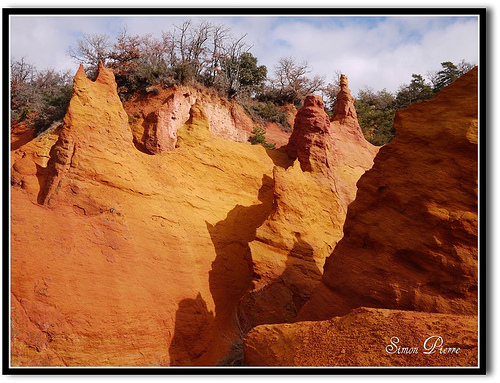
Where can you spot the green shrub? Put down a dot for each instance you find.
(39, 98)
(259, 137)
(375, 112)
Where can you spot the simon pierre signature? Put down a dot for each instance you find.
(432, 345)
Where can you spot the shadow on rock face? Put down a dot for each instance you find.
(193, 323)
(200, 332)
(280, 157)
(280, 300)
(231, 274)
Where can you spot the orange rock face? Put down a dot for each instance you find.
(411, 235)
(162, 125)
(310, 141)
(89, 144)
(367, 337)
(344, 106)
(290, 246)
(20, 135)
(121, 258)
(327, 147)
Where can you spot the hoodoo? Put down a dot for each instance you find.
(311, 142)
(123, 258)
(94, 138)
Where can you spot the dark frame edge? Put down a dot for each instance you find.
(5, 193)
(485, 145)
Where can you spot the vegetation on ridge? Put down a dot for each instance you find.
(259, 137)
(207, 55)
(376, 109)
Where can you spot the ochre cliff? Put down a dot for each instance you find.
(410, 243)
(139, 230)
(150, 233)
(410, 237)
(155, 117)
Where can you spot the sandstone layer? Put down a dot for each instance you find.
(367, 337)
(156, 116)
(411, 235)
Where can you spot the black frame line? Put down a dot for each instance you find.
(484, 359)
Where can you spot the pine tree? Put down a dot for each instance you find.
(417, 90)
(445, 76)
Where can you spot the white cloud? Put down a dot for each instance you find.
(44, 41)
(371, 52)
(381, 56)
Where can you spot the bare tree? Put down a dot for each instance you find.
(291, 78)
(219, 35)
(190, 51)
(315, 84)
(90, 50)
(180, 37)
(126, 48)
(197, 46)
(167, 41)
(290, 74)
(154, 52)
(21, 71)
(23, 74)
(231, 67)
(38, 97)
(465, 66)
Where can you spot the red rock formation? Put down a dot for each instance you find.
(134, 260)
(344, 106)
(20, 134)
(410, 237)
(160, 134)
(310, 140)
(130, 259)
(290, 247)
(327, 147)
(82, 137)
(156, 116)
(225, 119)
(348, 138)
(367, 337)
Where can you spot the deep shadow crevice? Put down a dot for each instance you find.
(200, 335)
(41, 174)
(280, 300)
(231, 274)
(280, 157)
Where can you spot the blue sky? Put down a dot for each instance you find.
(375, 52)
